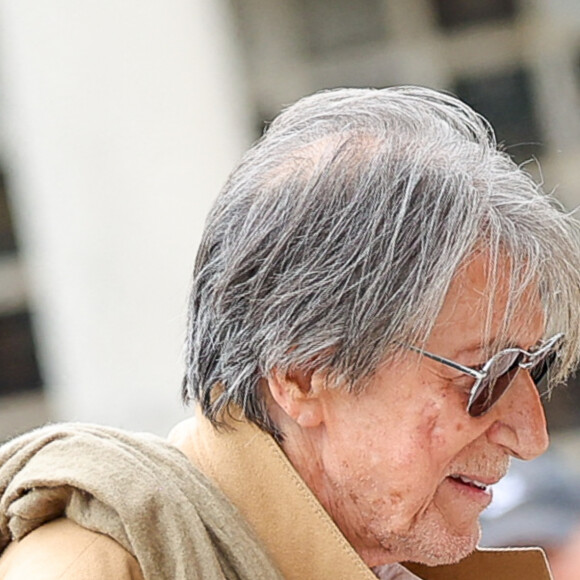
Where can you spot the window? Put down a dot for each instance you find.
(7, 241)
(18, 364)
(333, 24)
(457, 13)
(507, 101)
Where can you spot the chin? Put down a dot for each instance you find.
(441, 557)
(431, 546)
(445, 549)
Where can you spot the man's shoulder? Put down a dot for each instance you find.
(64, 550)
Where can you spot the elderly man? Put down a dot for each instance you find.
(378, 294)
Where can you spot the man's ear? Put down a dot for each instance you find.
(297, 393)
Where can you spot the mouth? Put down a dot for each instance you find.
(472, 483)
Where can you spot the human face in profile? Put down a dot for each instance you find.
(402, 468)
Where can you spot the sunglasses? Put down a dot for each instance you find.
(493, 379)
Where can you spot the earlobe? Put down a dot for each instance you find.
(293, 393)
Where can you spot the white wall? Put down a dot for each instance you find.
(120, 121)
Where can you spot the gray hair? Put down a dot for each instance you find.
(336, 238)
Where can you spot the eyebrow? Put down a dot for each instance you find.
(486, 347)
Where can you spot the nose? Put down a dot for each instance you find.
(519, 422)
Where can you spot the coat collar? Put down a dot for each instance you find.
(253, 472)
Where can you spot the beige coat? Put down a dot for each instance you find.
(252, 471)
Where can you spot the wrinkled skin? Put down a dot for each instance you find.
(381, 462)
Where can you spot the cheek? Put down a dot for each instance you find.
(429, 444)
(410, 448)
(442, 423)
(405, 439)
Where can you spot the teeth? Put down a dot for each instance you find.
(473, 482)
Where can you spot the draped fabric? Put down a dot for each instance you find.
(135, 488)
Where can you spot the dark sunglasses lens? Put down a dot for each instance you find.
(500, 377)
(501, 371)
(490, 393)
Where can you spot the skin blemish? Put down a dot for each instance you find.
(430, 430)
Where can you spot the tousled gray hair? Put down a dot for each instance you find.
(336, 238)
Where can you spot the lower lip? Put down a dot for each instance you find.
(482, 496)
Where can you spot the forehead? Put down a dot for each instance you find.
(483, 311)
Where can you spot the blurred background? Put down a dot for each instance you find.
(120, 120)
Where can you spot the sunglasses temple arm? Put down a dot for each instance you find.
(450, 363)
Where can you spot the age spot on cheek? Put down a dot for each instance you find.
(396, 498)
(432, 430)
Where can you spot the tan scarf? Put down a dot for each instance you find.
(135, 488)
